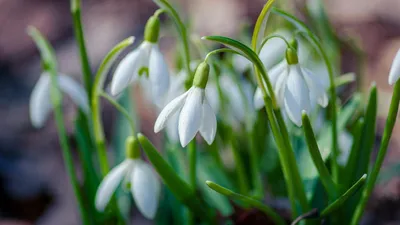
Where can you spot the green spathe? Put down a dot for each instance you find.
(201, 75)
(291, 56)
(152, 29)
(132, 148)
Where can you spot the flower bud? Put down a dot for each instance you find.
(132, 148)
(152, 29)
(201, 75)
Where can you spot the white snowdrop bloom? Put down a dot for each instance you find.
(295, 87)
(144, 62)
(394, 74)
(40, 104)
(139, 175)
(195, 113)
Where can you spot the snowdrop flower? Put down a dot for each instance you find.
(295, 87)
(394, 74)
(195, 112)
(145, 61)
(138, 175)
(40, 104)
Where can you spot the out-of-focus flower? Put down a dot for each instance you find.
(195, 113)
(40, 104)
(145, 61)
(143, 182)
(394, 74)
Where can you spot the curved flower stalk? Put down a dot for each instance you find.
(297, 88)
(145, 61)
(40, 104)
(134, 172)
(195, 112)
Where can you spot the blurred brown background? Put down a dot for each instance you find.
(33, 185)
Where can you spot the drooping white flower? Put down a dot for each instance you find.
(145, 61)
(394, 74)
(144, 186)
(177, 88)
(134, 172)
(40, 104)
(195, 112)
(296, 89)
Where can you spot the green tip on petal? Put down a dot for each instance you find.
(132, 148)
(152, 29)
(201, 76)
(291, 56)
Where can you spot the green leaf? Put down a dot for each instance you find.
(261, 24)
(46, 51)
(316, 157)
(342, 199)
(182, 191)
(248, 200)
(368, 133)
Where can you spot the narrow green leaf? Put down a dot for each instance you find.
(46, 51)
(368, 133)
(345, 79)
(352, 162)
(248, 200)
(261, 24)
(342, 199)
(319, 163)
(182, 191)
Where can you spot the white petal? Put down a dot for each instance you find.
(75, 91)
(158, 75)
(172, 128)
(110, 184)
(213, 95)
(128, 68)
(145, 189)
(280, 85)
(316, 87)
(40, 103)
(190, 116)
(169, 110)
(297, 97)
(394, 74)
(241, 63)
(272, 52)
(258, 99)
(234, 96)
(208, 127)
(277, 71)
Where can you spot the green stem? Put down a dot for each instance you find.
(121, 109)
(301, 193)
(387, 133)
(319, 163)
(80, 39)
(192, 155)
(50, 64)
(277, 219)
(342, 199)
(240, 170)
(287, 172)
(164, 4)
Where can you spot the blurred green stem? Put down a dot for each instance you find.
(240, 170)
(387, 133)
(80, 39)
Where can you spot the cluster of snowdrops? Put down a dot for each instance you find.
(276, 78)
